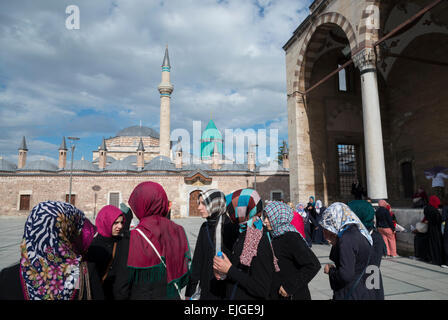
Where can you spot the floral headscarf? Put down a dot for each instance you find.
(49, 266)
(338, 217)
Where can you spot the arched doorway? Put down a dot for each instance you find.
(193, 204)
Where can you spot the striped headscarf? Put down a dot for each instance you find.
(49, 265)
(338, 217)
(215, 203)
(245, 207)
(280, 216)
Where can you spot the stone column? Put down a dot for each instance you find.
(373, 137)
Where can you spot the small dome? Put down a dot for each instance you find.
(40, 165)
(193, 166)
(160, 163)
(5, 165)
(234, 167)
(108, 160)
(138, 131)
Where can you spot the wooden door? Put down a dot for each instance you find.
(194, 212)
(25, 202)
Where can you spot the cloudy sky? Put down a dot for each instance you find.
(226, 56)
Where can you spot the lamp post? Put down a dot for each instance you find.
(72, 143)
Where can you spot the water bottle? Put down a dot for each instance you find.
(221, 275)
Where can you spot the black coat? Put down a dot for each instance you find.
(125, 289)
(254, 282)
(351, 255)
(11, 287)
(445, 231)
(100, 253)
(298, 266)
(384, 219)
(436, 251)
(202, 264)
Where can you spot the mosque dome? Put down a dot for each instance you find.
(5, 165)
(160, 163)
(138, 131)
(40, 165)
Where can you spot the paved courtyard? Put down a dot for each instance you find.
(403, 278)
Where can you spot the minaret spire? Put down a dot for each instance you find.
(165, 88)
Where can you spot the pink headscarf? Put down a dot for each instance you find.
(84, 240)
(106, 218)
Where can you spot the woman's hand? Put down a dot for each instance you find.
(327, 268)
(283, 292)
(221, 265)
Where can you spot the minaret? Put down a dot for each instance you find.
(62, 154)
(285, 156)
(102, 161)
(140, 155)
(165, 89)
(22, 154)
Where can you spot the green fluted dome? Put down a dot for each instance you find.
(210, 137)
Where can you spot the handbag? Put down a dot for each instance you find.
(182, 297)
(421, 227)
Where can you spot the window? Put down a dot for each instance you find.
(114, 199)
(72, 200)
(342, 80)
(347, 167)
(276, 195)
(24, 202)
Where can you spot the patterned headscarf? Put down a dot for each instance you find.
(434, 201)
(338, 217)
(300, 208)
(49, 267)
(280, 216)
(245, 207)
(318, 206)
(215, 203)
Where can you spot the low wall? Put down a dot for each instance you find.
(405, 240)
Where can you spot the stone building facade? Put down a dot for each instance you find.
(367, 99)
(134, 155)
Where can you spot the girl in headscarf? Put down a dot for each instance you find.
(386, 228)
(434, 218)
(141, 275)
(351, 252)
(216, 234)
(298, 264)
(109, 222)
(297, 220)
(318, 234)
(52, 265)
(250, 267)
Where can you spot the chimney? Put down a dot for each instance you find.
(285, 156)
(103, 155)
(62, 154)
(178, 160)
(140, 155)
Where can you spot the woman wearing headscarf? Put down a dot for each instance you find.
(298, 264)
(351, 252)
(318, 234)
(366, 213)
(52, 264)
(152, 260)
(216, 234)
(109, 222)
(250, 267)
(386, 228)
(297, 220)
(434, 218)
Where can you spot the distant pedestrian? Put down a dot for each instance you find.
(386, 228)
(250, 267)
(109, 222)
(306, 222)
(52, 266)
(298, 264)
(318, 234)
(297, 220)
(153, 259)
(420, 198)
(438, 185)
(358, 190)
(351, 252)
(216, 234)
(434, 218)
